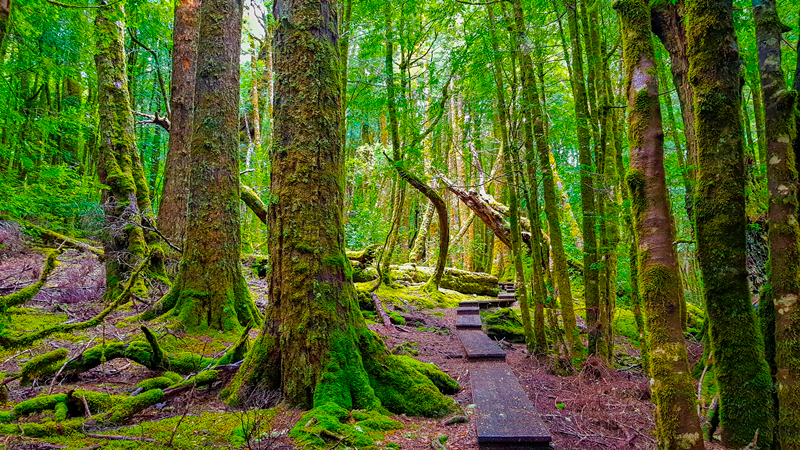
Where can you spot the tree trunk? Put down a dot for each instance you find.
(677, 428)
(175, 194)
(590, 272)
(669, 25)
(127, 197)
(210, 290)
(784, 254)
(742, 373)
(513, 200)
(313, 324)
(5, 12)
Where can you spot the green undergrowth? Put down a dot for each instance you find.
(413, 295)
(210, 430)
(504, 323)
(330, 424)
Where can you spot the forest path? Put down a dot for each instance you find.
(505, 417)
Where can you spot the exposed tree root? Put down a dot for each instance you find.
(26, 339)
(23, 295)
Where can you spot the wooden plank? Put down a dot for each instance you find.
(505, 416)
(478, 346)
(468, 321)
(467, 310)
(488, 303)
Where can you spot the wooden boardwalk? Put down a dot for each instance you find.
(505, 417)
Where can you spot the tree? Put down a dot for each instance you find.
(739, 366)
(127, 198)
(315, 345)
(784, 254)
(210, 290)
(677, 427)
(175, 194)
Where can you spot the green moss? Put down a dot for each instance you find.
(134, 405)
(441, 380)
(505, 324)
(7, 416)
(416, 296)
(396, 318)
(61, 411)
(328, 424)
(624, 324)
(42, 366)
(39, 404)
(173, 376)
(155, 383)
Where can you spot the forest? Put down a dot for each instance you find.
(399, 224)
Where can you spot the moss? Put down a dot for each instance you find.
(45, 429)
(39, 404)
(155, 383)
(172, 376)
(441, 380)
(403, 296)
(61, 411)
(396, 318)
(42, 365)
(23, 295)
(134, 405)
(504, 323)
(330, 423)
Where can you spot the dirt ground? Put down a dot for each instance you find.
(597, 408)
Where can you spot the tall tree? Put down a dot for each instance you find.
(582, 121)
(127, 198)
(739, 365)
(784, 233)
(175, 194)
(315, 345)
(210, 290)
(677, 427)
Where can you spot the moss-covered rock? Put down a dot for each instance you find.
(457, 280)
(505, 324)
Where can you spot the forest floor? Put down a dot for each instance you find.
(592, 409)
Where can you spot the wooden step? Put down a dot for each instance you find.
(506, 296)
(488, 303)
(468, 322)
(478, 346)
(467, 310)
(505, 417)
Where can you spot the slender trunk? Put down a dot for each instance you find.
(5, 12)
(677, 428)
(742, 373)
(513, 199)
(784, 251)
(344, 55)
(175, 193)
(669, 25)
(758, 113)
(590, 272)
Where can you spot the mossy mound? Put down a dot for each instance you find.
(461, 281)
(330, 424)
(505, 323)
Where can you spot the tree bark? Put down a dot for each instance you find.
(119, 168)
(210, 290)
(513, 200)
(669, 25)
(5, 12)
(677, 428)
(784, 233)
(742, 373)
(175, 194)
(590, 273)
(315, 345)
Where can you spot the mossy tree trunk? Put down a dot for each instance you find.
(677, 427)
(745, 386)
(315, 346)
(784, 234)
(669, 25)
(590, 272)
(175, 194)
(210, 290)
(511, 185)
(127, 197)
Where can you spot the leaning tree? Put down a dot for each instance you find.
(315, 346)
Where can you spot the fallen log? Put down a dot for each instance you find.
(254, 202)
(482, 207)
(453, 279)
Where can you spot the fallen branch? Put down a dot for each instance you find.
(254, 202)
(58, 237)
(382, 312)
(26, 339)
(23, 295)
